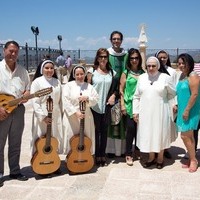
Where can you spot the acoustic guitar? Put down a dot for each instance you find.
(46, 159)
(79, 159)
(9, 102)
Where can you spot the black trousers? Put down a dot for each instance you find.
(131, 134)
(101, 130)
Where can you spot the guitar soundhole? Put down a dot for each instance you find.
(81, 147)
(47, 149)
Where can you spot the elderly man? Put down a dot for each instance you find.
(14, 82)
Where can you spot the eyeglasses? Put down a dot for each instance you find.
(153, 66)
(105, 57)
(134, 58)
(119, 39)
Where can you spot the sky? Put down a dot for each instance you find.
(87, 24)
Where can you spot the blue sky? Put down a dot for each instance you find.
(87, 24)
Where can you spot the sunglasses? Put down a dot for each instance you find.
(134, 58)
(103, 57)
(153, 66)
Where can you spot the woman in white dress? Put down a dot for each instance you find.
(166, 67)
(151, 112)
(74, 91)
(45, 79)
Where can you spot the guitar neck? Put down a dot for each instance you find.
(48, 133)
(81, 140)
(18, 100)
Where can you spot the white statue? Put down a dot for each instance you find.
(142, 38)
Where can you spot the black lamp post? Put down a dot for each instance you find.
(60, 39)
(35, 31)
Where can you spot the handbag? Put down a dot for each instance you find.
(116, 114)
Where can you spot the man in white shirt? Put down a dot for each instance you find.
(14, 82)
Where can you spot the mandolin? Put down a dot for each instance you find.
(9, 102)
(79, 159)
(46, 159)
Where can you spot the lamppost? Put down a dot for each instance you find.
(60, 39)
(35, 31)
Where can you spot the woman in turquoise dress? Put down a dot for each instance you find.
(128, 84)
(188, 97)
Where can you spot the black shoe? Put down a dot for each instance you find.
(103, 161)
(98, 161)
(167, 154)
(159, 165)
(110, 155)
(1, 182)
(149, 164)
(19, 177)
(43, 176)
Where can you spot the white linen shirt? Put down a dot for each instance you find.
(13, 83)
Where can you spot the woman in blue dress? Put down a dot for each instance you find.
(188, 96)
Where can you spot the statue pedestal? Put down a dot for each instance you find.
(142, 48)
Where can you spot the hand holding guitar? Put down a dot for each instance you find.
(47, 120)
(3, 114)
(83, 98)
(80, 115)
(25, 97)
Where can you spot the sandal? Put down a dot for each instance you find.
(129, 160)
(186, 165)
(193, 166)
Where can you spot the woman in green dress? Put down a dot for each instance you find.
(128, 84)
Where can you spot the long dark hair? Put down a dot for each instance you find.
(96, 62)
(131, 52)
(188, 61)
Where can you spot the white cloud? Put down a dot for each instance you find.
(80, 39)
(130, 42)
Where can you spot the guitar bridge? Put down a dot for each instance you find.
(46, 163)
(80, 161)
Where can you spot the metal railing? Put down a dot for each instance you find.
(27, 56)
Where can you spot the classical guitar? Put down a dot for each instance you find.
(79, 159)
(46, 159)
(9, 102)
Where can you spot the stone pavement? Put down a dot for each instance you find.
(117, 181)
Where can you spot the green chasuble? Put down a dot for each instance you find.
(118, 63)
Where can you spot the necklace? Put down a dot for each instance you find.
(136, 73)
